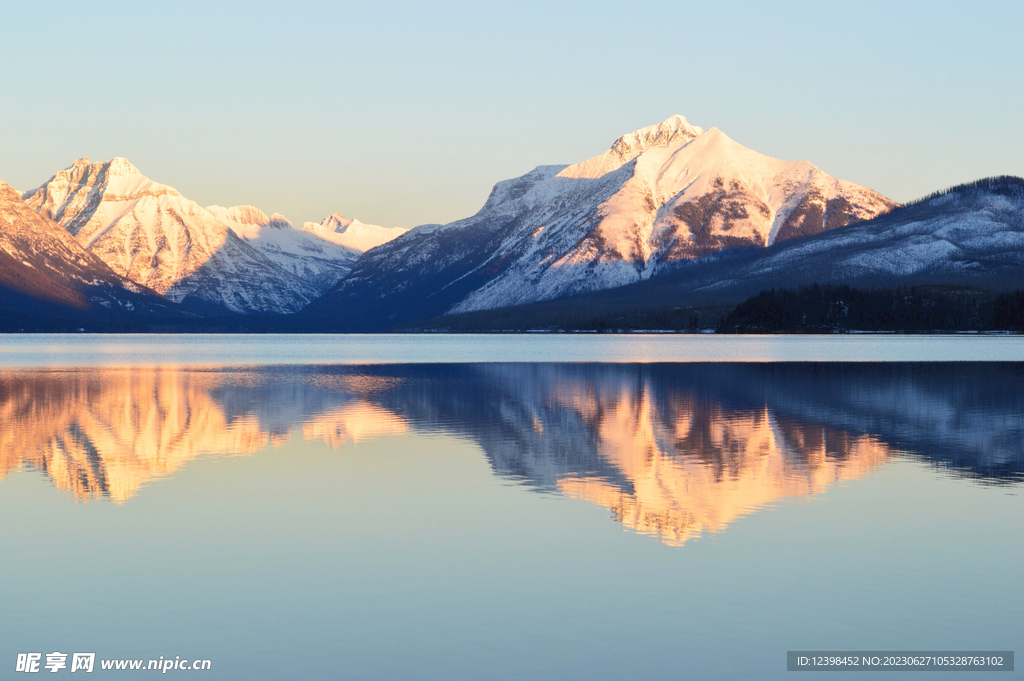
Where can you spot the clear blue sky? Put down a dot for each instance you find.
(405, 113)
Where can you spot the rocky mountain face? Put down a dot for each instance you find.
(969, 235)
(966, 236)
(218, 260)
(660, 196)
(44, 270)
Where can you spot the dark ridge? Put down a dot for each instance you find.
(1002, 185)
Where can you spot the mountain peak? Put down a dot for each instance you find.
(335, 222)
(352, 233)
(278, 221)
(122, 167)
(672, 130)
(79, 189)
(117, 166)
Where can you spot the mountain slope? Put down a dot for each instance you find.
(967, 236)
(45, 271)
(317, 263)
(149, 233)
(660, 196)
(971, 235)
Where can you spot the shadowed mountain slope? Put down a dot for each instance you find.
(45, 271)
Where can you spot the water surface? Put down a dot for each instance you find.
(68, 350)
(511, 520)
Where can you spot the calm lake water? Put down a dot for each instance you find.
(496, 507)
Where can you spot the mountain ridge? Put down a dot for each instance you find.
(217, 260)
(670, 214)
(968, 236)
(662, 195)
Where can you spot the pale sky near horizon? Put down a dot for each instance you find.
(402, 113)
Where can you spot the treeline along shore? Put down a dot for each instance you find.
(808, 309)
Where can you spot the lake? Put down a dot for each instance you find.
(509, 507)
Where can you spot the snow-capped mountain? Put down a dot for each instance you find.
(969, 236)
(660, 196)
(218, 259)
(352, 234)
(44, 270)
(149, 233)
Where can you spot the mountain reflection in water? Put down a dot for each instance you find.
(672, 450)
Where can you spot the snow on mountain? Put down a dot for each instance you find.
(149, 233)
(971, 235)
(44, 270)
(352, 234)
(686, 194)
(660, 196)
(317, 262)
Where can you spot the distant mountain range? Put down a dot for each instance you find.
(670, 216)
(216, 260)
